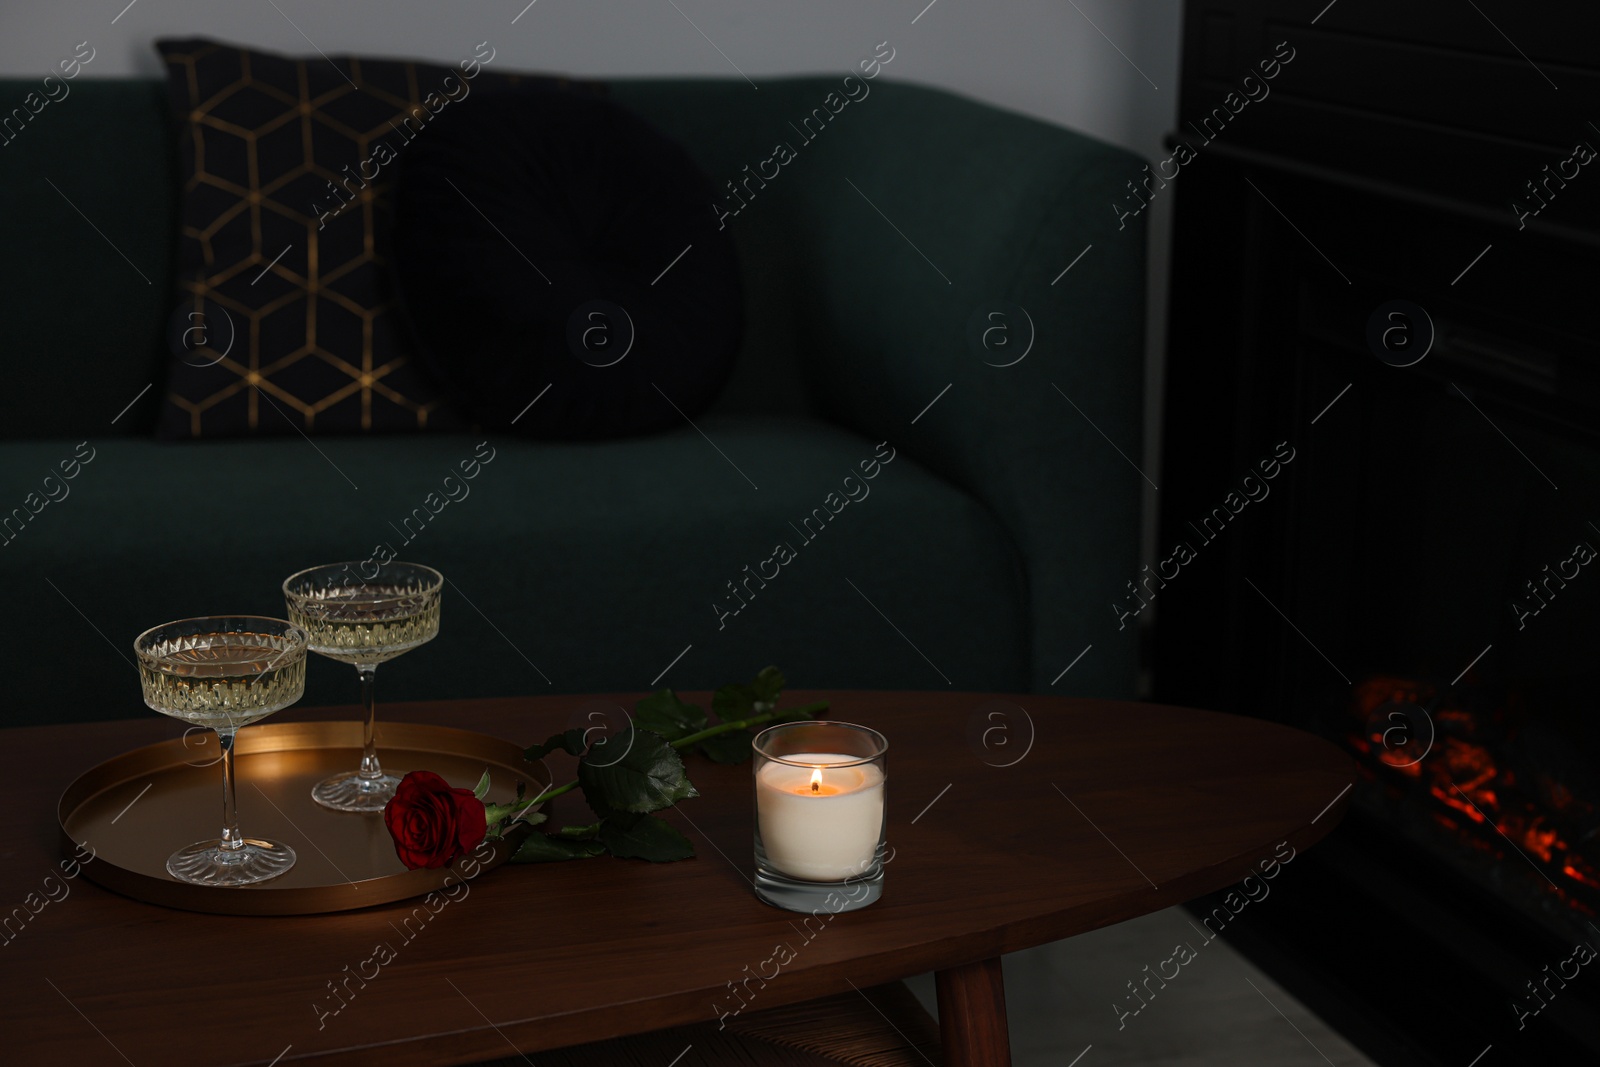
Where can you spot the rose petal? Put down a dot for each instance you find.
(471, 822)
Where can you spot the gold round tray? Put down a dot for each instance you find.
(134, 810)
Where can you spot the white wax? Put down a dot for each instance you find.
(823, 836)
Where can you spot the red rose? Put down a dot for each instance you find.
(431, 822)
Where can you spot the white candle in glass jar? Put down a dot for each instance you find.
(819, 822)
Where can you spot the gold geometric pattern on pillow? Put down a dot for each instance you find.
(286, 319)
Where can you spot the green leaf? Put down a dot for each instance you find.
(731, 747)
(734, 702)
(644, 837)
(768, 684)
(542, 848)
(570, 741)
(634, 770)
(663, 713)
(481, 790)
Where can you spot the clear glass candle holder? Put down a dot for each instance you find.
(821, 801)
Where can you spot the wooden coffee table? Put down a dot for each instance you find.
(1116, 810)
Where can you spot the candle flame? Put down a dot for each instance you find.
(816, 779)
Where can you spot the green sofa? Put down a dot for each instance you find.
(985, 556)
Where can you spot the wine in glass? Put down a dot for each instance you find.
(224, 672)
(365, 614)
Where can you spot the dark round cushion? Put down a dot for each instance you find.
(554, 247)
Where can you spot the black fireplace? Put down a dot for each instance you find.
(1388, 269)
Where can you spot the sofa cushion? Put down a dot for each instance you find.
(570, 567)
(284, 322)
(556, 246)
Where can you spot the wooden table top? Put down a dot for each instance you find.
(1116, 810)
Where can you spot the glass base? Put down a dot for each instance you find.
(351, 792)
(208, 863)
(818, 898)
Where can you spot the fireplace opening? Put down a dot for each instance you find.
(1442, 549)
(1421, 588)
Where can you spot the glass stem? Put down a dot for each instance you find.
(369, 748)
(231, 838)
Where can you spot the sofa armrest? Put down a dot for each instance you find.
(925, 212)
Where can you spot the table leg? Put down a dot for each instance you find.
(972, 1015)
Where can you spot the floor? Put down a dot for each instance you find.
(1066, 998)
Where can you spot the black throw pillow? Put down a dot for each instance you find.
(283, 323)
(558, 252)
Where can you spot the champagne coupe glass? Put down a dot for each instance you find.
(365, 614)
(224, 672)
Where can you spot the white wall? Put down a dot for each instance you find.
(1042, 57)
(1047, 58)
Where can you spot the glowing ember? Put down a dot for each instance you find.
(1416, 738)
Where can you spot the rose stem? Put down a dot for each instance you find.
(739, 724)
(684, 742)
